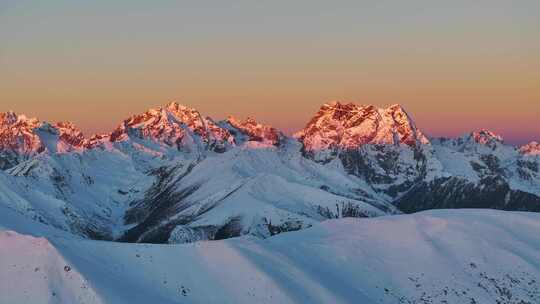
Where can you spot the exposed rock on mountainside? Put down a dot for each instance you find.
(254, 131)
(532, 148)
(338, 126)
(384, 148)
(176, 126)
(491, 192)
(17, 139)
(479, 171)
(22, 138)
(171, 174)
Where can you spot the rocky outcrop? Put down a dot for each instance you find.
(251, 130)
(449, 193)
(176, 126)
(530, 149)
(171, 174)
(337, 127)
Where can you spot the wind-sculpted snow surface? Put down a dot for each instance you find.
(445, 256)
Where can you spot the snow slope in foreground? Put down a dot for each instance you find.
(457, 256)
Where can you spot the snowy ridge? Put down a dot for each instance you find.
(171, 174)
(258, 191)
(157, 177)
(445, 256)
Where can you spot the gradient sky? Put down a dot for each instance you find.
(454, 65)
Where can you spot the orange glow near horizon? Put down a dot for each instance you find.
(454, 69)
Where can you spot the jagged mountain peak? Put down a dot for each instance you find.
(256, 131)
(337, 105)
(175, 106)
(17, 135)
(22, 137)
(532, 148)
(395, 106)
(69, 133)
(340, 109)
(481, 137)
(11, 118)
(175, 125)
(21, 122)
(339, 125)
(67, 125)
(473, 141)
(183, 112)
(246, 123)
(484, 136)
(398, 113)
(8, 118)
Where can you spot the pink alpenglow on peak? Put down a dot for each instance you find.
(256, 131)
(532, 148)
(22, 137)
(8, 118)
(348, 126)
(174, 125)
(486, 137)
(17, 133)
(70, 134)
(480, 138)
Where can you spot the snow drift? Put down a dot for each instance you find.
(445, 256)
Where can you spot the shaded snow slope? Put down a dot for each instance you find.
(86, 193)
(258, 191)
(445, 256)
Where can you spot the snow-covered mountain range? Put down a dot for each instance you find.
(172, 175)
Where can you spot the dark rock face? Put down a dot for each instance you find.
(527, 169)
(376, 146)
(362, 153)
(161, 202)
(380, 165)
(156, 215)
(448, 193)
(355, 163)
(8, 160)
(253, 131)
(285, 227)
(232, 229)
